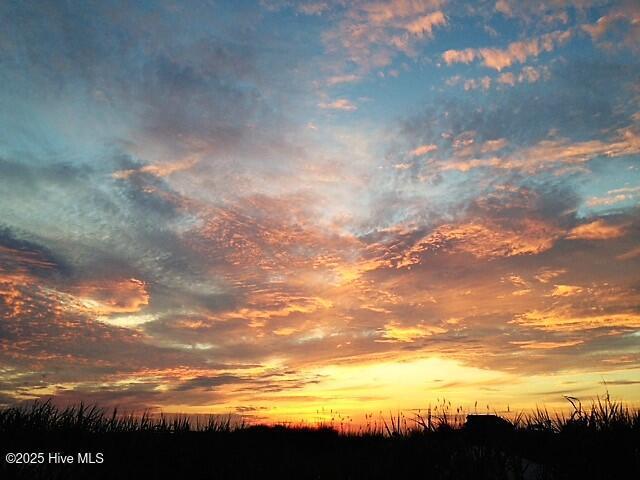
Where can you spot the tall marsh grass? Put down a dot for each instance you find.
(602, 414)
(600, 440)
(91, 419)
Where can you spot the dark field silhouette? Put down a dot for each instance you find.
(601, 441)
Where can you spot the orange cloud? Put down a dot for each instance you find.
(16, 273)
(563, 319)
(545, 275)
(22, 259)
(484, 240)
(15, 301)
(596, 230)
(394, 332)
(113, 296)
(537, 345)
(285, 331)
(565, 290)
(551, 153)
(633, 253)
(278, 305)
(160, 170)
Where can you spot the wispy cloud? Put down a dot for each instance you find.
(340, 79)
(596, 230)
(552, 153)
(339, 104)
(622, 22)
(423, 150)
(615, 196)
(372, 33)
(516, 52)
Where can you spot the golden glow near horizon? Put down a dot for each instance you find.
(353, 207)
(381, 388)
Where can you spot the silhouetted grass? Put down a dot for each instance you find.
(598, 441)
(44, 417)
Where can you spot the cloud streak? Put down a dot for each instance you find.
(516, 52)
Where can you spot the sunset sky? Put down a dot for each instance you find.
(274, 208)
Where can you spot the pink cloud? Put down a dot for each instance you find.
(371, 34)
(516, 52)
(339, 79)
(625, 20)
(459, 56)
(472, 84)
(424, 25)
(339, 104)
(423, 150)
(548, 154)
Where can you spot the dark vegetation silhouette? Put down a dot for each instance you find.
(601, 441)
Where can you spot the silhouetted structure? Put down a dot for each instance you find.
(487, 425)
